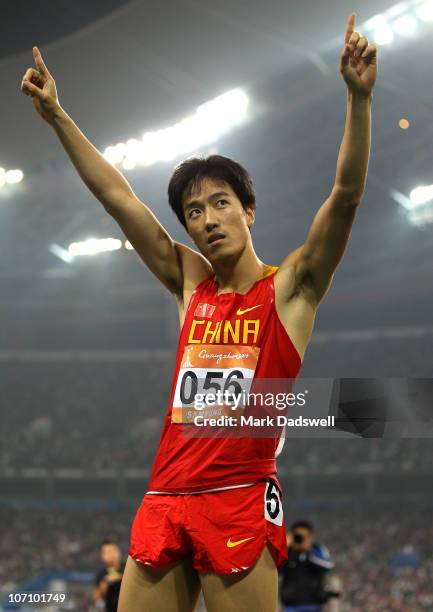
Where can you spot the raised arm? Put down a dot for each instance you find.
(313, 264)
(166, 258)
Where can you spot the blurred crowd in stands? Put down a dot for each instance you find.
(371, 354)
(97, 414)
(383, 552)
(104, 415)
(107, 415)
(89, 415)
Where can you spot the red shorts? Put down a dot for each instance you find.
(221, 531)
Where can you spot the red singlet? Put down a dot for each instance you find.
(222, 333)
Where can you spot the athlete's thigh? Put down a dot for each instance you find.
(148, 589)
(256, 590)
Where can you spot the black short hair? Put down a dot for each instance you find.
(188, 174)
(108, 541)
(302, 525)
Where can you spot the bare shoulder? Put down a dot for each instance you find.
(195, 269)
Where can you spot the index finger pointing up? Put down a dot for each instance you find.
(350, 26)
(40, 62)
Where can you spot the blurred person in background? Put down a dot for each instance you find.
(302, 577)
(109, 578)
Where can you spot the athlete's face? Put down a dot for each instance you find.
(110, 554)
(216, 220)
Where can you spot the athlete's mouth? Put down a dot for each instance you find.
(215, 238)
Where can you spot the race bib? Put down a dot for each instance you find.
(210, 377)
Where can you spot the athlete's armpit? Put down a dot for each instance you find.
(289, 275)
(315, 262)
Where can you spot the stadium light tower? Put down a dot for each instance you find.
(418, 206)
(210, 121)
(10, 177)
(401, 21)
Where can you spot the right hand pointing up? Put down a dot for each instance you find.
(39, 84)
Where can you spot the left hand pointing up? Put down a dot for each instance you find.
(358, 61)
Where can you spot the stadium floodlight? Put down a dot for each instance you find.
(418, 206)
(424, 11)
(14, 176)
(128, 163)
(405, 25)
(421, 217)
(94, 246)
(128, 246)
(114, 154)
(421, 195)
(398, 9)
(375, 22)
(381, 30)
(383, 35)
(61, 253)
(211, 120)
(401, 199)
(400, 20)
(418, 197)
(224, 111)
(133, 151)
(10, 177)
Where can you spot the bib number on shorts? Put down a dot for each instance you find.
(209, 369)
(273, 503)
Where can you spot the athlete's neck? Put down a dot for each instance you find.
(239, 276)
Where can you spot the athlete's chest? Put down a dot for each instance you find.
(228, 318)
(219, 350)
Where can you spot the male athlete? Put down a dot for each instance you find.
(212, 516)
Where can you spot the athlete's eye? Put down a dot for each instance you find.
(225, 201)
(191, 214)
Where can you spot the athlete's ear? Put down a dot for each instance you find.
(251, 216)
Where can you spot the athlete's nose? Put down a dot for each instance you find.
(211, 225)
(211, 222)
